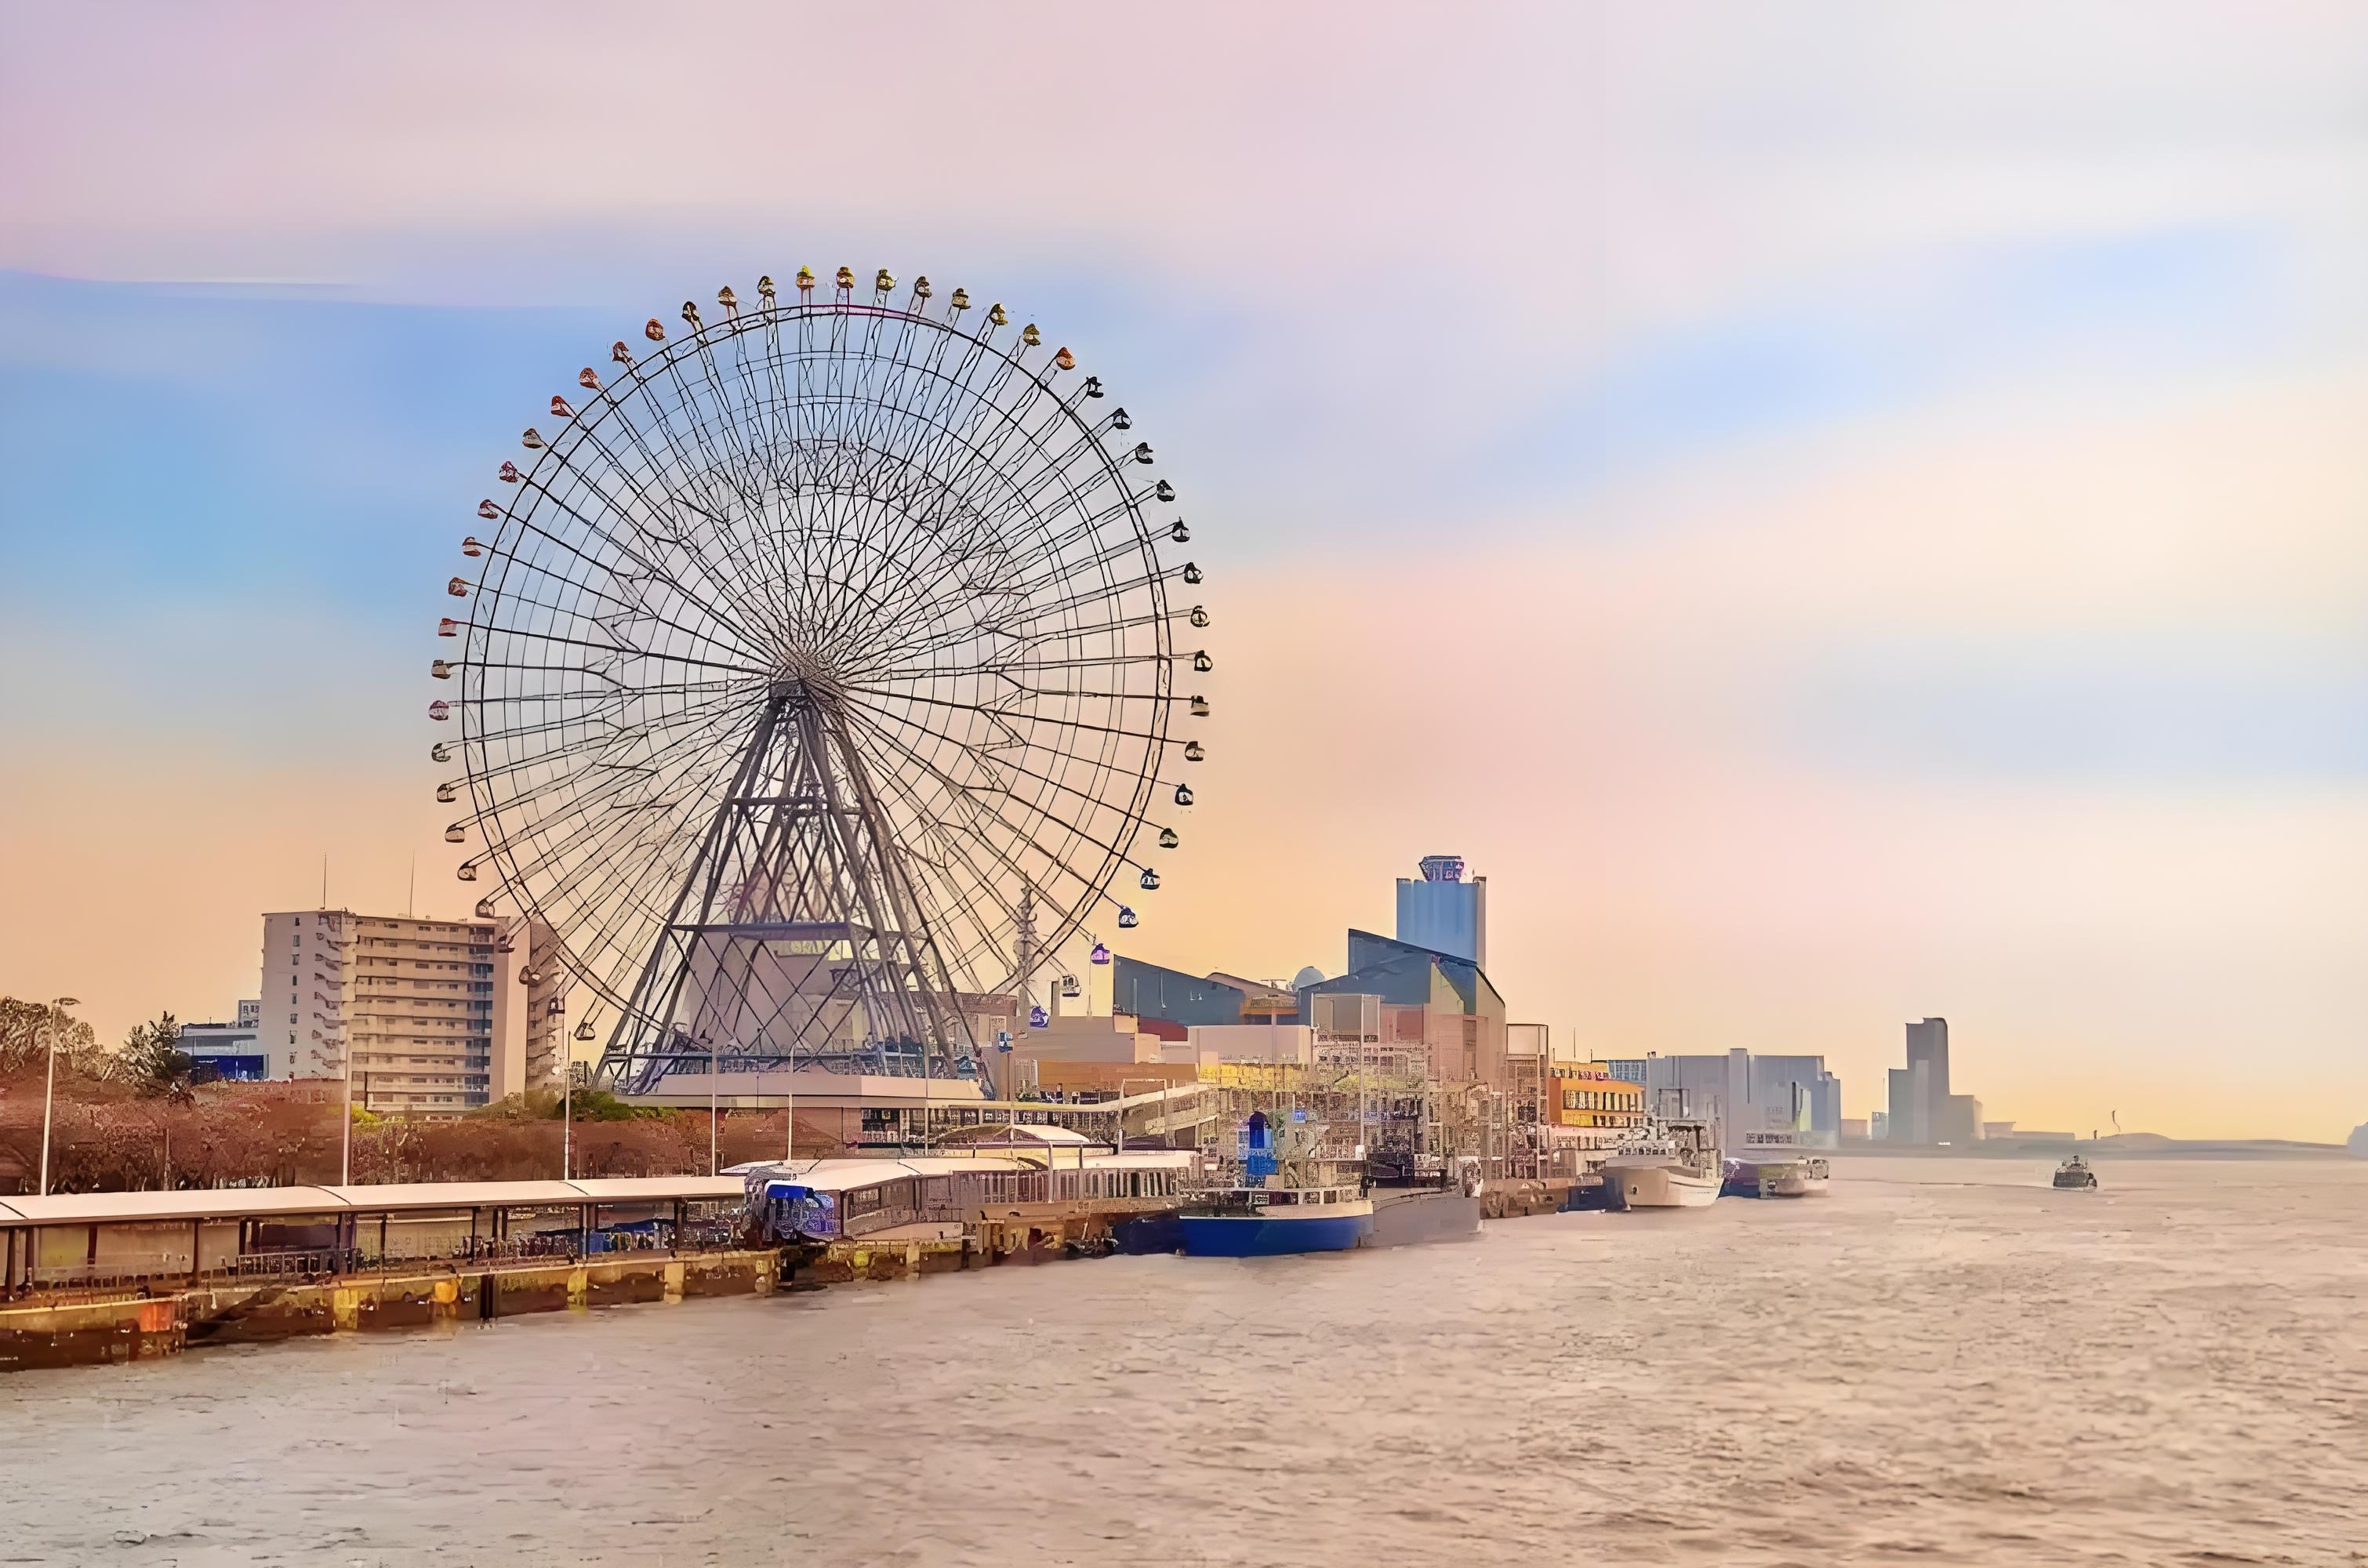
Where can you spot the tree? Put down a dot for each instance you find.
(154, 1059)
(25, 1039)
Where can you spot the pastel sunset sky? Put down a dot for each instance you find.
(1842, 512)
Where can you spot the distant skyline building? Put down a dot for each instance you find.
(1757, 1101)
(1923, 1107)
(1908, 1097)
(230, 1050)
(1961, 1119)
(1444, 913)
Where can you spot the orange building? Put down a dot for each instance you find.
(1598, 1109)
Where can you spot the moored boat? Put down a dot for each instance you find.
(1676, 1168)
(1269, 1221)
(1760, 1177)
(1404, 1216)
(1282, 1196)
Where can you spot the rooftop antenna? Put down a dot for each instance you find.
(324, 879)
(411, 894)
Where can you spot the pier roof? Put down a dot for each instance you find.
(248, 1202)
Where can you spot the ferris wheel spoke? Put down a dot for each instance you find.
(1005, 714)
(1044, 879)
(696, 722)
(625, 612)
(688, 486)
(640, 560)
(981, 929)
(1009, 660)
(645, 511)
(1020, 501)
(1117, 851)
(971, 795)
(628, 653)
(943, 433)
(589, 826)
(697, 525)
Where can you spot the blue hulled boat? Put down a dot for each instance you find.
(1263, 1222)
(1283, 1199)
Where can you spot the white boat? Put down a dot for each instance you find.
(1677, 1166)
(1651, 1183)
(1769, 1171)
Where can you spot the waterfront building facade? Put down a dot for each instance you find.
(1150, 990)
(1278, 1044)
(1264, 1001)
(1585, 1105)
(1443, 912)
(1419, 996)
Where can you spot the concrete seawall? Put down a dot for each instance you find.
(140, 1328)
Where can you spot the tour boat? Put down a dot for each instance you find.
(1776, 1173)
(1267, 1222)
(2074, 1175)
(1764, 1175)
(1652, 1183)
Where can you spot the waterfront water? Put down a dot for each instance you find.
(1942, 1362)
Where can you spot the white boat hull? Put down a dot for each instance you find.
(1661, 1187)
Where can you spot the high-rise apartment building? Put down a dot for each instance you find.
(1444, 913)
(433, 1017)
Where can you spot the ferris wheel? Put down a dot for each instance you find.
(825, 670)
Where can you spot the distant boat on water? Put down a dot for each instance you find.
(1776, 1174)
(2074, 1175)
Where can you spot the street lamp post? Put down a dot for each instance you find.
(50, 1087)
(710, 1107)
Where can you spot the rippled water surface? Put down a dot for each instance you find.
(1941, 1362)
